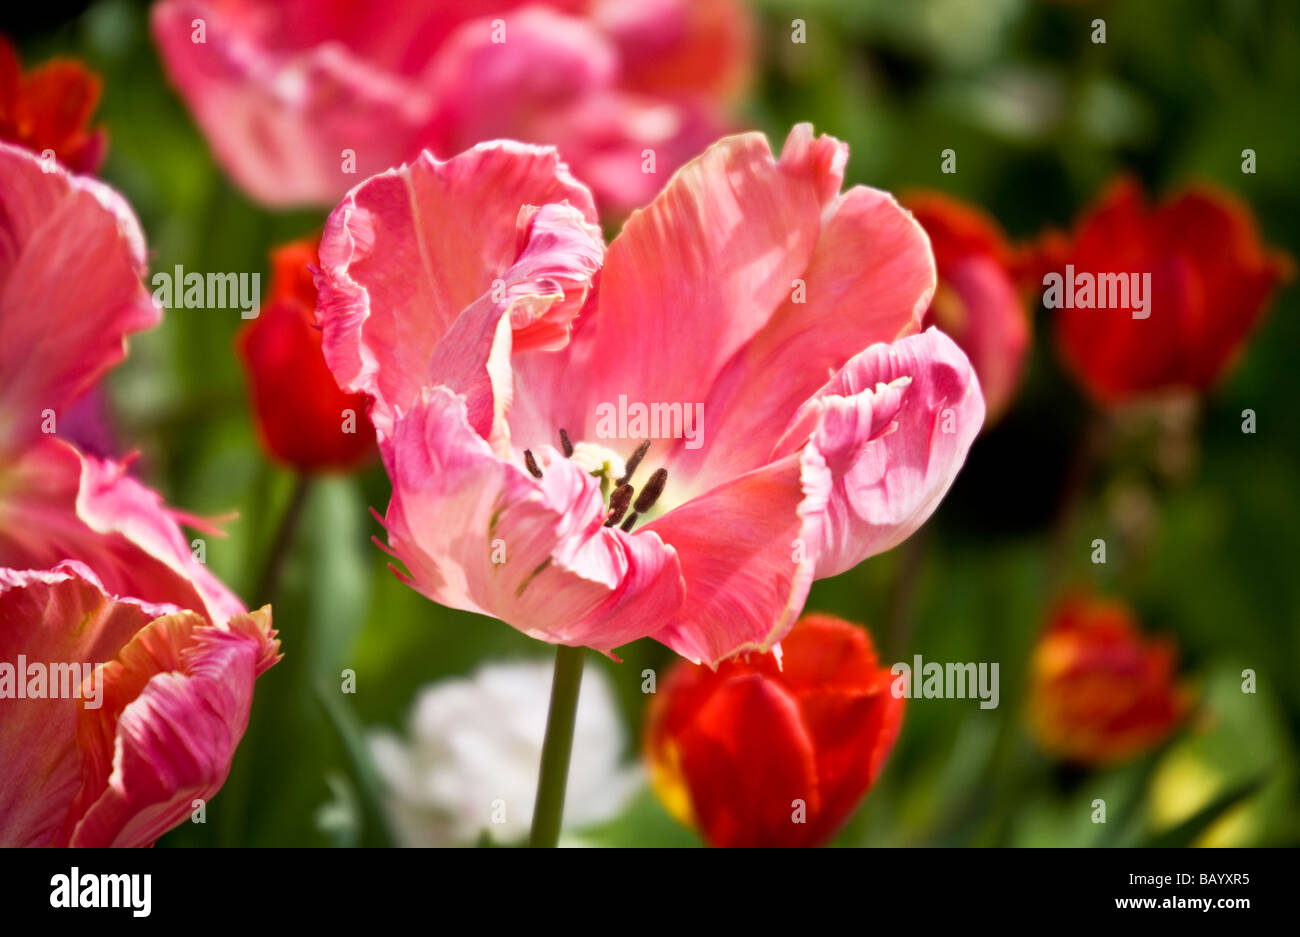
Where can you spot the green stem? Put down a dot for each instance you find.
(553, 776)
(282, 543)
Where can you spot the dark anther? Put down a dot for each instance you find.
(627, 524)
(532, 464)
(618, 503)
(565, 444)
(633, 462)
(651, 492)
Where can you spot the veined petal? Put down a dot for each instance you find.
(869, 280)
(897, 478)
(71, 258)
(748, 553)
(711, 258)
(408, 250)
(478, 533)
(57, 504)
(176, 704)
(53, 618)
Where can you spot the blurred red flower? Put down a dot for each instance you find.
(1210, 279)
(48, 109)
(758, 753)
(976, 301)
(1099, 691)
(303, 418)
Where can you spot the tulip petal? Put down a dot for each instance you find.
(895, 481)
(408, 250)
(282, 119)
(60, 504)
(176, 704)
(487, 89)
(849, 711)
(531, 307)
(481, 534)
(71, 258)
(52, 617)
(869, 280)
(747, 551)
(682, 47)
(749, 762)
(711, 257)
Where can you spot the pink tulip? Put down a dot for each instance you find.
(94, 569)
(300, 100)
(475, 304)
(150, 733)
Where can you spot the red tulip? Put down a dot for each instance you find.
(1100, 692)
(761, 753)
(303, 417)
(1210, 279)
(48, 109)
(976, 301)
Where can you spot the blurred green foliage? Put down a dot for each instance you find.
(1040, 117)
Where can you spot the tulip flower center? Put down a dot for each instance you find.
(614, 473)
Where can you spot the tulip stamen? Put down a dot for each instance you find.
(633, 462)
(651, 492)
(618, 504)
(566, 444)
(627, 524)
(531, 464)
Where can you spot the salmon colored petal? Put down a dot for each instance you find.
(58, 616)
(887, 483)
(479, 533)
(408, 250)
(869, 280)
(532, 306)
(714, 254)
(176, 704)
(59, 504)
(748, 552)
(71, 258)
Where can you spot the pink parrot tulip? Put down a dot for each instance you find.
(301, 100)
(512, 360)
(94, 569)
